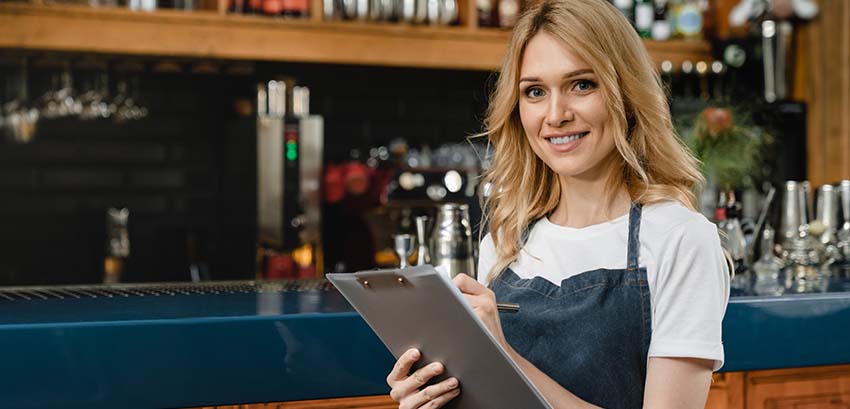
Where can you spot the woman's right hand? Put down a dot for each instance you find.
(407, 388)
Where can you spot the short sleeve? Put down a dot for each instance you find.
(486, 258)
(691, 294)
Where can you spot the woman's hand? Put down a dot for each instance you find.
(483, 302)
(407, 388)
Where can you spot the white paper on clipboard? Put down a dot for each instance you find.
(418, 307)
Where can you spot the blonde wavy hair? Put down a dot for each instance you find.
(653, 163)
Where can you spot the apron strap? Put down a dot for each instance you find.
(634, 236)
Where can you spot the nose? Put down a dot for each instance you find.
(559, 112)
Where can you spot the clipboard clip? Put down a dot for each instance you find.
(383, 281)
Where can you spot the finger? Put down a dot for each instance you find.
(432, 393)
(468, 285)
(401, 369)
(419, 378)
(441, 400)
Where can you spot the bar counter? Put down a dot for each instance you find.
(188, 345)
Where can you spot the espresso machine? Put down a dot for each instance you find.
(289, 168)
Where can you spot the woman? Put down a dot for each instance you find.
(622, 285)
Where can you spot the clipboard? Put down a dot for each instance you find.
(418, 307)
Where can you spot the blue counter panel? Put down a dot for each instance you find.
(184, 351)
(788, 331)
(217, 349)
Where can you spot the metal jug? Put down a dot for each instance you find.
(452, 240)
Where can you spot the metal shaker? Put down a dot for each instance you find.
(794, 213)
(843, 233)
(424, 253)
(827, 212)
(452, 239)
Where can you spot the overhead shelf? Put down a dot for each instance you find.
(209, 34)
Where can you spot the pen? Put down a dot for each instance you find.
(507, 306)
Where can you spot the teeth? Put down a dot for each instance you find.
(567, 139)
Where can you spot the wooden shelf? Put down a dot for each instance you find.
(210, 34)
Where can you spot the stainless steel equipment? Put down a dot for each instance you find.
(452, 238)
(794, 212)
(424, 252)
(289, 167)
(403, 246)
(827, 212)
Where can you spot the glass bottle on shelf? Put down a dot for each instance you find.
(720, 211)
(768, 267)
(486, 13)
(644, 17)
(627, 7)
(736, 245)
(661, 29)
(508, 12)
(117, 245)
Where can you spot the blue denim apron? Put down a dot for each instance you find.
(590, 334)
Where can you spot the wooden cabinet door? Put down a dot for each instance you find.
(727, 391)
(825, 387)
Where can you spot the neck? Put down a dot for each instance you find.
(585, 200)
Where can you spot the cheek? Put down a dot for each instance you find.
(594, 111)
(529, 120)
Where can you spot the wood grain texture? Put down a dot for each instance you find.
(210, 34)
(824, 387)
(800, 388)
(826, 45)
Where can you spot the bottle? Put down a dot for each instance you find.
(736, 245)
(236, 6)
(661, 29)
(272, 7)
(295, 8)
(767, 267)
(117, 245)
(644, 17)
(627, 7)
(486, 15)
(720, 211)
(508, 12)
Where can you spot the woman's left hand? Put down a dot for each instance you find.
(483, 302)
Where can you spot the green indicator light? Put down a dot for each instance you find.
(291, 150)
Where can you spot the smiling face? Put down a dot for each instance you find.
(563, 110)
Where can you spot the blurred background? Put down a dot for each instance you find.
(194, 140)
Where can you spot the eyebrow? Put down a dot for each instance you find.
(566, 76)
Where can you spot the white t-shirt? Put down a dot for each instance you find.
(687, 272)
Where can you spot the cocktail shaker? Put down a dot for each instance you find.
(794, 213)
(827, 212)
(424, 252)
(452, 239)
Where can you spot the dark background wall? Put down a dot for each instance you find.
(188, 169)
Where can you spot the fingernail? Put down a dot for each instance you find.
(452, 382)
(415, 354)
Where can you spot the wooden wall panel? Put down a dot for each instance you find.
(826, 46)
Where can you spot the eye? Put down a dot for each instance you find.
(584, 85)
(534, 92)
